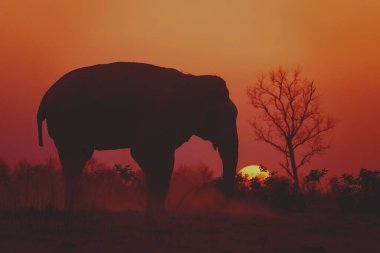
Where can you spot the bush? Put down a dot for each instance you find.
(194, 188)
(276, 191)
(38, 186)
(281, 194)
(357, 193)
(312, 187)
(4, 183)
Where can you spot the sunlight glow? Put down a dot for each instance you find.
(253, 171)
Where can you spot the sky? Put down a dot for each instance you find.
(335, 43)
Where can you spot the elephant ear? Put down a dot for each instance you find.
(213, 104)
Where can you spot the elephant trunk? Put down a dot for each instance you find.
(228, 151)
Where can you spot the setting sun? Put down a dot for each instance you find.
(253, 171)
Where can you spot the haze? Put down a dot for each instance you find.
(334, 42)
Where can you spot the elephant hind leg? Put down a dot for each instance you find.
(73, 160)
(157, 164)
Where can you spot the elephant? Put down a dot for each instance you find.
(149, 109)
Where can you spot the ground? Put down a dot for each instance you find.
(50, 231)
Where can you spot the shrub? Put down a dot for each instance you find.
(312, 187)
(281, 194)
(357, 193)
(276, 191)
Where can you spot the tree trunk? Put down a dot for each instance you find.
(294, 166)
(299, 201)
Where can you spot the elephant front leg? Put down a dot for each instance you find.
(157, 165)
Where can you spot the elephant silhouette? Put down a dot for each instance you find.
(151, 110)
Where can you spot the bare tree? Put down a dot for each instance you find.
(291, 120)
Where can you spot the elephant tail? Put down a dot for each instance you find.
(41, 116)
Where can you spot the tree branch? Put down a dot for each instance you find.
(291, 116)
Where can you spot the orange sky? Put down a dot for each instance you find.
(336, 43)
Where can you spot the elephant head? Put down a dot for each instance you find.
(218, 125)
